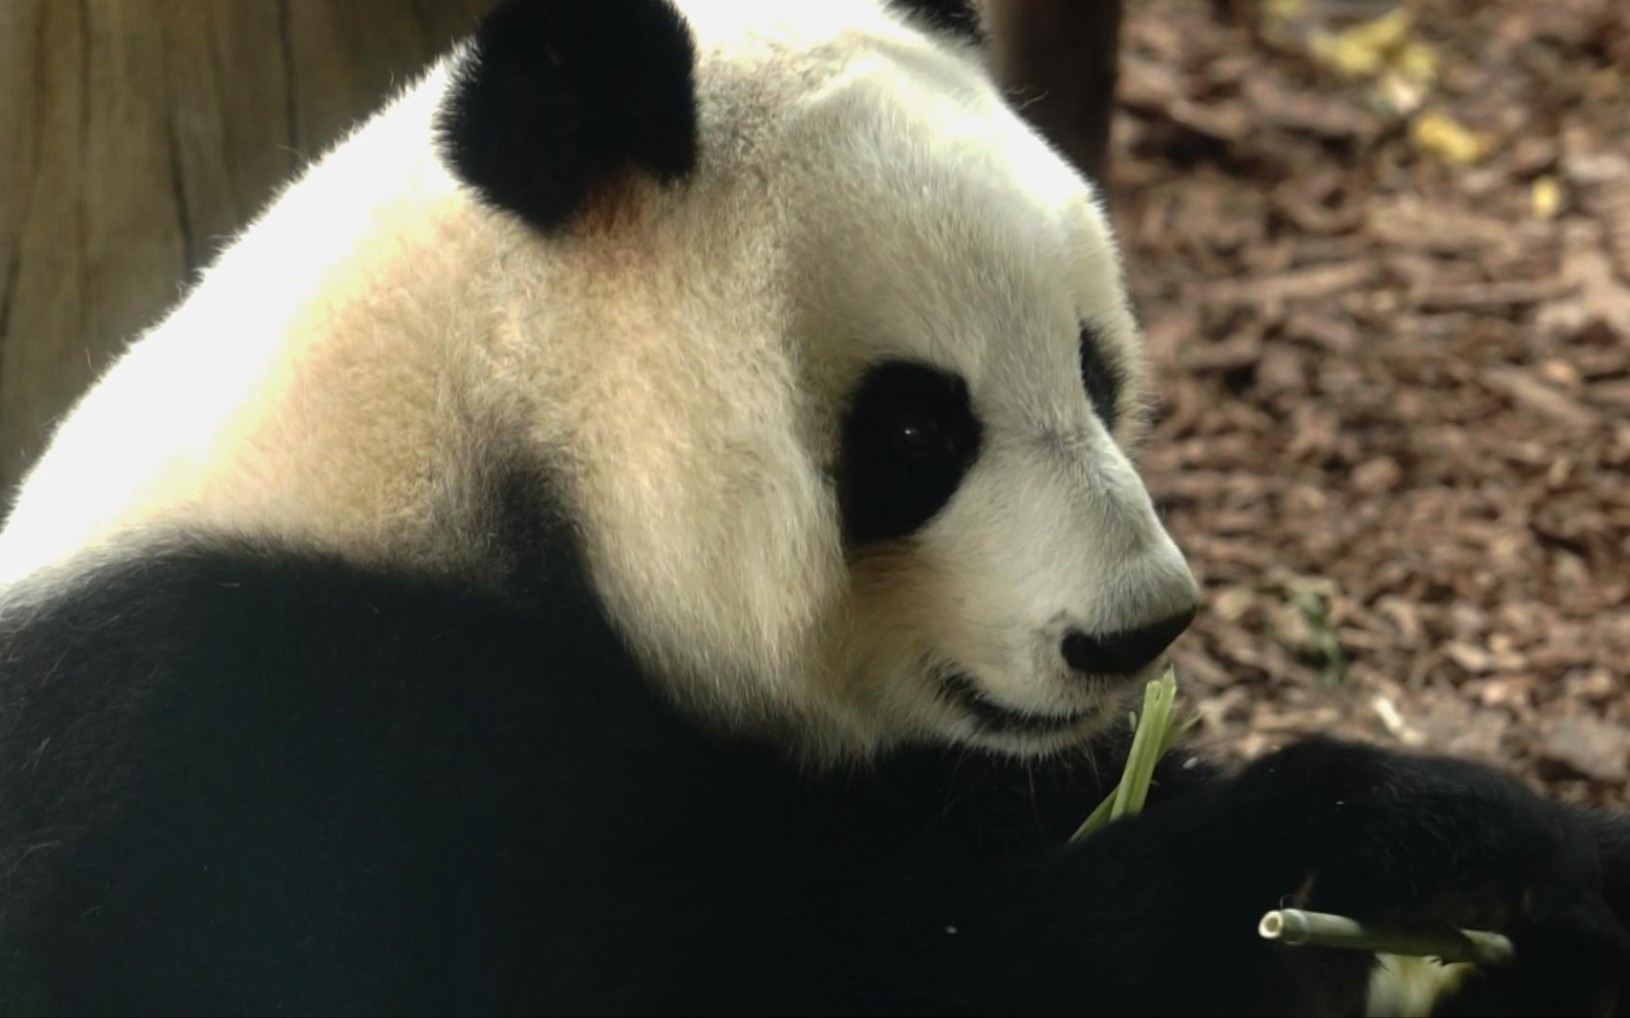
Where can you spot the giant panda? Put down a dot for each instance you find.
(647, 525)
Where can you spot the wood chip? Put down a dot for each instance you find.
(1589, 746)
(1529, 392)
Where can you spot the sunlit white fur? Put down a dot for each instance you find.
(358, 358)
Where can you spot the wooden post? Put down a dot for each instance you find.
(1059, 59)
(138, 135)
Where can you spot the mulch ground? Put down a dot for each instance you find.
(1382, 255)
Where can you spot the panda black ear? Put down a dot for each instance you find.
(559, 99)
(957, 17)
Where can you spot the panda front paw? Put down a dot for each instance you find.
(1419, 841)
(1395, 837)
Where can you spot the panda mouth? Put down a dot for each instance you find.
(993, 717)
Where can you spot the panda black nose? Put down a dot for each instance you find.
(1125, 653)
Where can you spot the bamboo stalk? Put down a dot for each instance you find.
(1320, 929)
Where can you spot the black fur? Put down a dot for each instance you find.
(561, 98)
(909, 437)
(1102, 380)
(237, 780)
(957, 17)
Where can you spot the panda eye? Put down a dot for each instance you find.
(1101, 379)
(919, 438)
(908, 438)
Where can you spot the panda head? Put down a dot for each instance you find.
(836, 357)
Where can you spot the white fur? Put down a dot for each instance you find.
(342, 374)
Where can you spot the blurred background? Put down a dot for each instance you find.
(1381, 251)
(1382, 254)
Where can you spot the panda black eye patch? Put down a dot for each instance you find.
(909, 436)
(1102, 381)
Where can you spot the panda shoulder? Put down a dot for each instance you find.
(209, 655)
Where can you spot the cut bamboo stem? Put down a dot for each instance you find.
(1321, 929)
